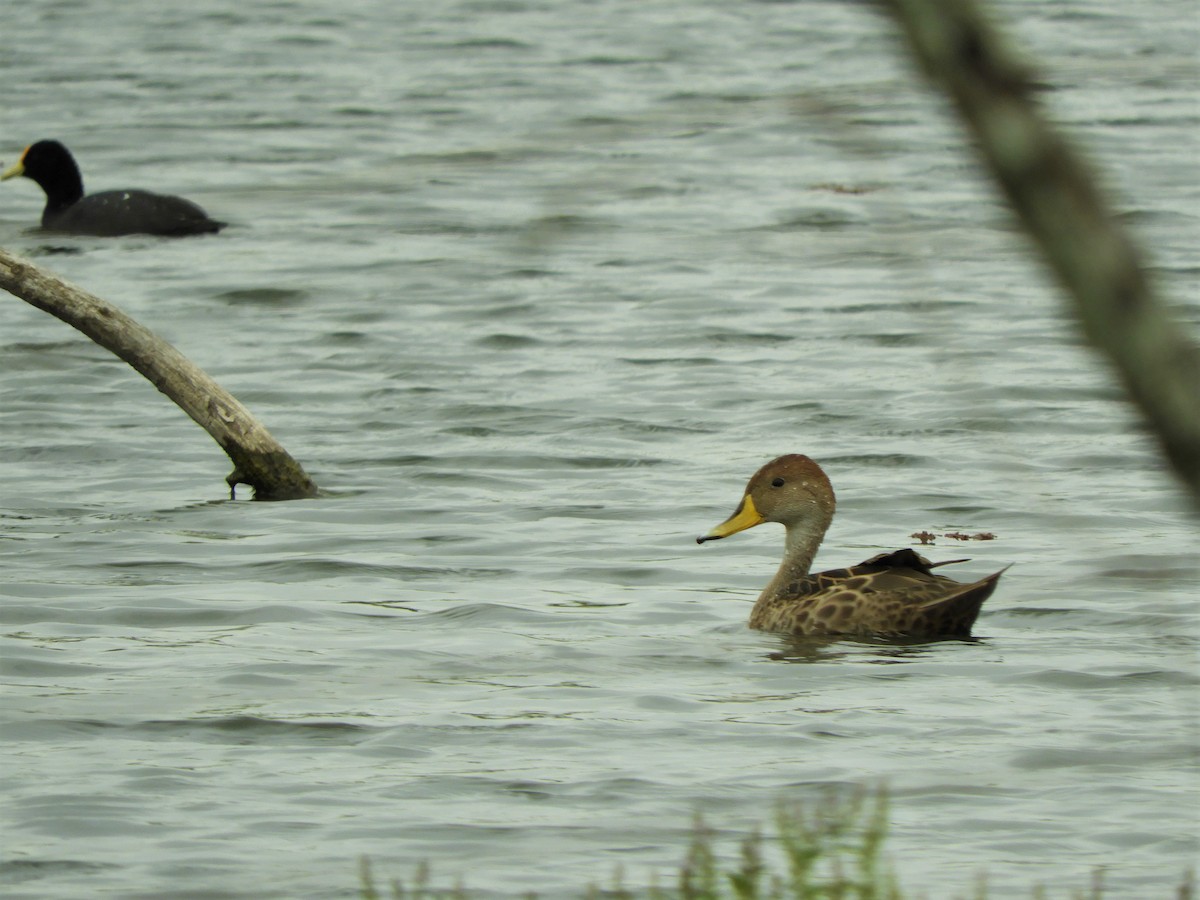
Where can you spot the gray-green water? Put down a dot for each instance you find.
(531, 288)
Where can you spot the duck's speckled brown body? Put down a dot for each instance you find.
(890, 594)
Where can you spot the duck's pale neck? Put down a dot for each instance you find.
(800, 548)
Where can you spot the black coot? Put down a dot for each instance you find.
(109, 213)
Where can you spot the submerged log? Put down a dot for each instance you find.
(258, 459)
(1054, 194)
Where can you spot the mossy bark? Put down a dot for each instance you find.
(1055, 195)
(258, 459)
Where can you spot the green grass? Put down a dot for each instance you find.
(831, 850)
(828, 850)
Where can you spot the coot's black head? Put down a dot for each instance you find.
(53, 167)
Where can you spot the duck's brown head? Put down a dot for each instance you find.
(791, 490)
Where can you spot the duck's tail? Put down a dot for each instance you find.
(956, 612)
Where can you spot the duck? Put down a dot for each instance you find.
(893, 594)
(104, 214)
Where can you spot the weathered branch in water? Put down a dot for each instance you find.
(1054, 194)
(258, 459)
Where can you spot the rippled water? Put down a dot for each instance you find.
(530, 289)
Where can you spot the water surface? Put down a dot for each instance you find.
(531, 289)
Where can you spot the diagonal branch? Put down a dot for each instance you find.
(258, 459)
(1053, 192)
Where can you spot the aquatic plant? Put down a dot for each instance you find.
(397, 891)
(828, 850)
(831, 849)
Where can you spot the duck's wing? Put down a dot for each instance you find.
(893, 593)
(900, 567)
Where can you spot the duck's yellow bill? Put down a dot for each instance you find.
(17, 168)
(745, 516)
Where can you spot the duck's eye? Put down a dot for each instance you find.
(778, 482)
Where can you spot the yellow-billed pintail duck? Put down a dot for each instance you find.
(890, 594)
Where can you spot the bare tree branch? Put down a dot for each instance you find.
(1054, 194)
(258, 459)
